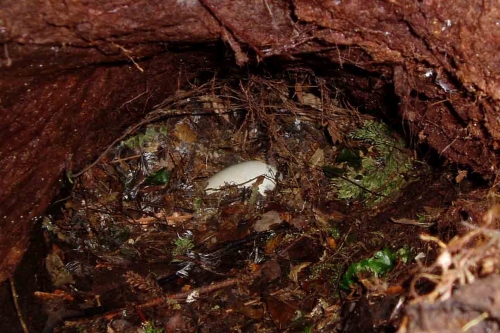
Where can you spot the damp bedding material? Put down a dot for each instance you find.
(171, 235)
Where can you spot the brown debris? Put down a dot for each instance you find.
(76, 76)
(446, 55)
(471, 308)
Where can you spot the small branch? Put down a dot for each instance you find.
(15, 297)
(411, 222)
(128, 56)
(185, 294)
(127, 133)
(152, 117)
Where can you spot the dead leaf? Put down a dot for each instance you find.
(325, 217)
(184, 133)
(237, 208)
(312, 101)
(332, 244)
(273, 243)
(281, 312)
(57, 271)
(107, 199)
(267, 220)
(318, 158)
(334, 132)
(299, 222)
(253, 312)
(271, 270)
(254, 267)
(295, 270)
(461, 175)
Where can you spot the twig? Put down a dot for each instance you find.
(292, 244)
(448, 146)
(55, 295)
(186, 294)
(119, 160)
(8, 61)
(475, 321)
(412, 222)
(127, 133)
(15, 297)
(167, 219)
(133, 99)
(128, 56)
(151, 117)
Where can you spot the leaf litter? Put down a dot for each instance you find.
(141, 244)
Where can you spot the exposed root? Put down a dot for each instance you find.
(15, 298)
(462, 260)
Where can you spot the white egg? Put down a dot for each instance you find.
(244, 175)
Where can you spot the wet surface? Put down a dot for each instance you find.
(139, 242)
(74, 79)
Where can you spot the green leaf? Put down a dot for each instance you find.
(160, 177)
(405, 254)
(378, 265)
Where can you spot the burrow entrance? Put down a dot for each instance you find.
(315, 227)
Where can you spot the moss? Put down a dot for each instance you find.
(381, 170)
(182, 245)
(149, 138)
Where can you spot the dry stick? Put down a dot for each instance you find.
(292, 244)
(16, 304)
(162, 300)
(126, 159)
(185, 294)
(160, 114)
(127, 133)
(133, 99)
(159, 108)
(124, 50)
